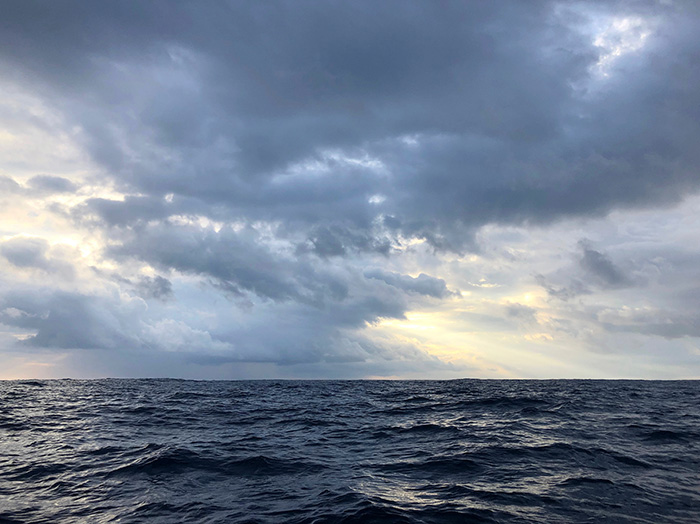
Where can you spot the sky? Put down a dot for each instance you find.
(394, 189)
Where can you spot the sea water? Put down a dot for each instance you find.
(162, 451)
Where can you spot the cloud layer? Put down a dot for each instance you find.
(303, 184)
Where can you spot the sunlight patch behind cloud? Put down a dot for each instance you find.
(618, 37)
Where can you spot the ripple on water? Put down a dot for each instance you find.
(321, 451)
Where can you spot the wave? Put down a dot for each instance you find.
(178, 460)
(312, 452)
(586, 481)
(452, 465)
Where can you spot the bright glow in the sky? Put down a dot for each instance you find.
(620, 37)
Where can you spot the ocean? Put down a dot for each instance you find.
(482, 451)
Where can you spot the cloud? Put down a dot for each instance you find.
(281, 333)
(571, 289)
(51, 184)
(131, 210)
(257, 182)
(237, 261)
(26, 252)
(666, 324)
(8, 185)
(71, 320)
(521, 312)
(336, 240)
(155, 287)
(422, 284)
(475, 124)
(35, 253)
(601, 268)
(240, 263)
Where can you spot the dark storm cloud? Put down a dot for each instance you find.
(315, 300)
(282, 332)
(8, 185)
(662, 323)
(601, 268)
(337, 240)
(521, 312)
(69, 320)
(656, 294)
(422, 284)
(129, 211)
(571, 289)
(592, 271)
(239, 262)
(38, 186)
(51, 184)
(35, 253)
(476, 112)
(302, 310)
(25, 252)
(323, 138)
(155, 287)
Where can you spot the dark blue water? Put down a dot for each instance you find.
(312, 452)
